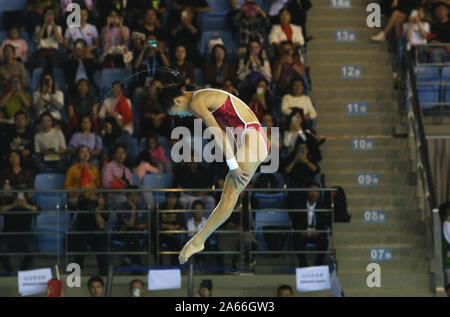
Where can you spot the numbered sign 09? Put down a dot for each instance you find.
(368, 180)
(351, 71)
(380, 254)
(340, 4)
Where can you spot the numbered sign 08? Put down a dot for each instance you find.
(374, 216)
(362, 144)
(345, 36)
(357, 108)
(368, 180)
(350, 71)
(340, 4)
(380, 254)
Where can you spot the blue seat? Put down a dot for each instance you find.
(215, 22)
(110, 75)
(428, 94)
(198, 77)
(446, 84)
(428, 74)
(226, 36)
(219, 6)
(49, 181)
(158, 181)
(12, 5)
(136, 180)
(271, 217)
(58, 76)
(272, 200)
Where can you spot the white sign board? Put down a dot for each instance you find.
(314, 278)
(33, 281)
(164, 279)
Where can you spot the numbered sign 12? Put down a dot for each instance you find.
(340, 4)
(351, 71)
(345, 36)
(378, 254)
(357, 108)
(362, 144)
(374, 216)
(368, 180)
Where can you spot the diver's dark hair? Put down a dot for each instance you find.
(168, 93)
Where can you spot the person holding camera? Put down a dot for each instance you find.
(15, 100)
(16, 176)
(286, 67)
(49, 36)
(48, 97)
(115, 39)
(254, 66)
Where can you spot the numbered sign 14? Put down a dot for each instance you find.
(340, 4)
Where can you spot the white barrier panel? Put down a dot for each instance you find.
(33, 281)
(164, 279)
(314, 278)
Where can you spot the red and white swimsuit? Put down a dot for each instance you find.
(227, 116)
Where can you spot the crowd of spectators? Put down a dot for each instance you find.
(56, 117)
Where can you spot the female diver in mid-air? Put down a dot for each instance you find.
(219, 110)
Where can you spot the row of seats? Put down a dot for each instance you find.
(433, 86)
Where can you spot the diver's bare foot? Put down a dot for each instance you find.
(190, 249)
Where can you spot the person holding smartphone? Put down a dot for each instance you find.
(417, 31)
(48, 97)
(16, 99)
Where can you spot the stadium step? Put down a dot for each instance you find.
(335, 97)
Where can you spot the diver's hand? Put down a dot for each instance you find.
(239, 177)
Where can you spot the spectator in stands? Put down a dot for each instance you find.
(21, 137)
(144, 165)
(193, 175)
(93, 220)
(400, 12)
(261, 101)
(20, 45)
(96, 286)
(268, 122)
(299, 10)
(83, 103)
(286, 67)
(184, 67)
(159, 6)
(286, 31)
(48, 97)
(86, 31)
(86, 137)
(310, 221)
(11, 67)
(252, 22)
(440, 32)
(296, 99)
(115, 38)
(197, 221)
(16, 176)
(254, 66)
(300, 132)
(110, 132)
(17, 99)
(300, 169)
(152, 25)
(49, 145)
(149, 58)
(218, 68)
(153, 118)
(284, 291)
(118, 107)
(171, 221)
(35, 10)
(48, 36)
(79, 67)
(228, 85)
(205, 289)
(81, 175)
(158, 155)
(137, 288)
(417, 31)
(136, 220)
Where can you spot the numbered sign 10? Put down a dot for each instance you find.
(368, 180)
(340, 4)
(345, 36)
(357, 108)
(380, 254)
(362, 144)
(351, 71)
(374, 216)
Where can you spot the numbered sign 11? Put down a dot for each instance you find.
(380, 254)
(340, 4)
(368, 180)
(351, 71)
(357, 108)
(345, 36)
(374, 216)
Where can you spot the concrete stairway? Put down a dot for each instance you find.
(407, 274)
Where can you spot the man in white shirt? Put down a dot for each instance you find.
(197, 222)
(86, 31)
(298, 100)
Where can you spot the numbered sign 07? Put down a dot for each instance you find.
(340, 4)
(374, 216)
(351, 71)
(368, 179)
(380, 254)
(345, 36)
